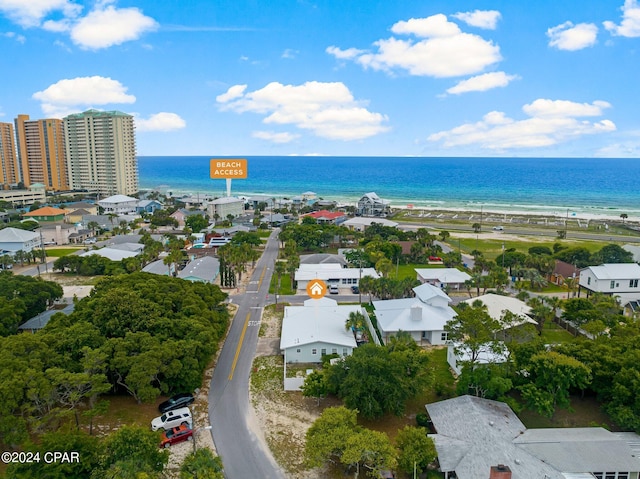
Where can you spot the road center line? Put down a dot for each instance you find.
(235, 358)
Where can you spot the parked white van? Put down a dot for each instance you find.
(172, 419)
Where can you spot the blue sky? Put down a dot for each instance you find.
(327, 77)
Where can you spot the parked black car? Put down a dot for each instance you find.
(175, 402)
(355, 289)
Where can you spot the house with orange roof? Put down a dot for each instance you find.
(325, 216)
(46, 213)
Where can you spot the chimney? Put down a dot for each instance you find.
(500, 472)
(416, 313)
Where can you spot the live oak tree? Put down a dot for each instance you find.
(336, 437)
(416, 449)
(474, 333)
(552, 376)
(375, 380)
(201, 464)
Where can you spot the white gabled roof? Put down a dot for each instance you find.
(427, 291)
(395, 315)
(496, 304)
(616, 271)
(226, 200)
(315, 323)
(16, 235)
(443, 275)
(115, 199)
(112, 253)
(367, 221)
(326, 271)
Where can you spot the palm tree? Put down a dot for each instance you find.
(280, 269)
(624, 216)
(476, 227)
(93, 225)
(356, 323)
(385, 266)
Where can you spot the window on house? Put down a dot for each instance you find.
(588, 280)
(623, 475)
(598, 475)
(610, 475)
(334, 351)
(298, 350)
(444, 336)
(314, 351)
(323, 352)
(344, 351)
(613, 284)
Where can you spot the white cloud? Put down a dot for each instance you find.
(110, 26)
(549, 123)
(483, 82)
(17, 37)
(443, 51)
(236, 91)
(348, 54)
(630, 25)
(102, 27)
(328, 110)
(67, 96)
(487, 19)
(29, 13)
(543, 108)
(274, 137)
(568, 36)
(162, 121)
(430, 27)
(289, 53)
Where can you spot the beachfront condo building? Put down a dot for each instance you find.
(41, 152)
(9, 172)
(101, 152)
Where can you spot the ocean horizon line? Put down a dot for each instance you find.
(585, 187)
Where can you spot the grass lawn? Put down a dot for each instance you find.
(285, 285)
(554, 334)
(59, 252)
(492, 248)
(408, 270)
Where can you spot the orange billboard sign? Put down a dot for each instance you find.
(221, 168)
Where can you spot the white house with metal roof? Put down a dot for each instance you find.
(332, 273)
(474, 434)
(316, 329)
(451, 278)
(423, 316)
(617, 279)
(119, 204)
(114, 254)
(497, 304)
(360, 223)
(15, 239)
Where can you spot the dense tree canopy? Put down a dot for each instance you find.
(22, 298)
(375, 380)
(140, 333)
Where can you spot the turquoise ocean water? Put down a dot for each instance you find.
(575, 186)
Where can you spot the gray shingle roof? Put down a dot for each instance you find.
(474, 434)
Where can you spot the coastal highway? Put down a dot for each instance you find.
(523, 231)
(235, 434)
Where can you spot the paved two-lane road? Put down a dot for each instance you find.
(244, 456)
